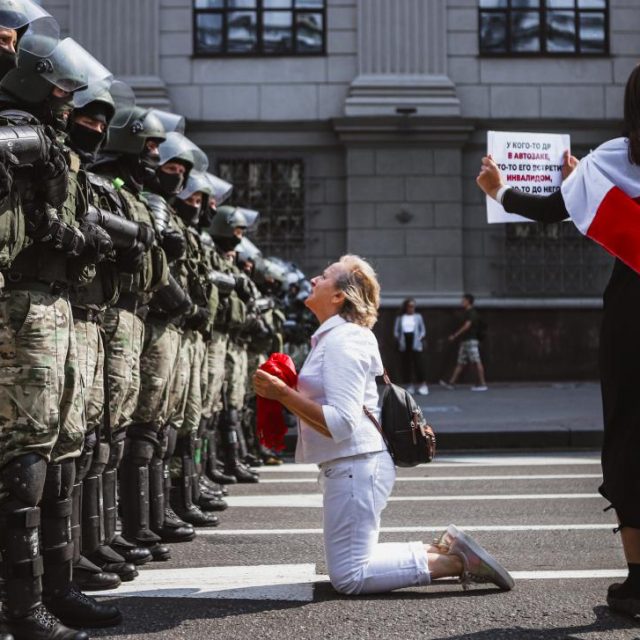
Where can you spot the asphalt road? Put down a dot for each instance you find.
(261, 574)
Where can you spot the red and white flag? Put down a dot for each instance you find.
(602, 197)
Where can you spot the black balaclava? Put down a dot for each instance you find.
(189, 214)
(8, 61)
(168, 185)
(226, 244)
(83, 139)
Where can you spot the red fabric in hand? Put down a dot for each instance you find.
(269, 419)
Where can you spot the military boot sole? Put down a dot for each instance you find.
(102, 581)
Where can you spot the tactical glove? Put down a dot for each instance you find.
(6, 178)
(146, 235)
(174, 244)
(131, 260)
(198, 321)
(55, 178)
(97, 243)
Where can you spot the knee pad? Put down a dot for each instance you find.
(23, 478)
(59, 481)
(116, 451)
(138, 452)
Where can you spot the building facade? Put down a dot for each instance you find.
(358, 125)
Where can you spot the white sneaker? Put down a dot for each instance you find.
(423, 390)
(480, 387)
(411, 389)
(479, 566)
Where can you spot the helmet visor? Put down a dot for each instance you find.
(16, 14)
(124, 99)
(221, 189)
(197, 183)
(178, 147)
(246, 250)
(171, 121)
(250, 216)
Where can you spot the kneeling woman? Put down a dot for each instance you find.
(336, 382)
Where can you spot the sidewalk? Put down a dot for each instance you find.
(513, 416)
(516, 416)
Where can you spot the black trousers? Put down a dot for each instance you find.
(411, 362)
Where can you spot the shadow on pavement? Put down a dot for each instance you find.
(605, 621)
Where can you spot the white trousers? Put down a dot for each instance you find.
(355, 492)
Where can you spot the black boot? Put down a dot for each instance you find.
(61, 596)
(210, 501)
(86, 574)
(127, 550)
(182, 489)
(164, 521)
(211, 461)
(232, 465)
(24, 615)
(134, 491)
(94, 548)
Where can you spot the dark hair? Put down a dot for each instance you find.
(469, 298)
(405, 304)
(632, 115)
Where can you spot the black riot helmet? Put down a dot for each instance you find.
(94, 108)
(176, 150)
(228, 227)
(18, 16)
(197, 183)
(49, 71)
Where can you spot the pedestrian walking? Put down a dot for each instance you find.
(605, 187)
(336, 383)
(410, 333)
(469, 349)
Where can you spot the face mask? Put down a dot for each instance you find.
(57, 111)
(170, 183)
(149, 162)
(188, 213)
(8, 61)
(85, 139)
(227, 244)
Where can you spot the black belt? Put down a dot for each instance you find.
(131, 303)
(88, 315)
(15, 282)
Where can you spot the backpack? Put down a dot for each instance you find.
(409, 439)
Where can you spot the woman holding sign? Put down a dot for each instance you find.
(600, 195)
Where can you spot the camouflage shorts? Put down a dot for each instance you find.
(41, 396)
(469, 352)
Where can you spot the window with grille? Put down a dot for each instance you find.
(552, 260)
(275, 188)
(544, 27)
(259, 27)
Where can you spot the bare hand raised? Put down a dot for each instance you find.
(569, 164)
(489, 179)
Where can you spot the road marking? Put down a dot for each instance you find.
(291, 582)
(444, 461)
(582, 574)
(286, 582)
(508, 528)
(569, 476)
(314, 500)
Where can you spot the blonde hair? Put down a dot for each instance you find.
(360, 285)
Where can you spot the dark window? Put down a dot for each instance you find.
(259, 27)
(552, 260)
(544, 27)
(275, 188)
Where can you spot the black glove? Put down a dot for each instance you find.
(97, 243)
(184, 308)
(55, 178)
(131, 260)
(65, 238)
(174, 244)
(199, 321)
(146, 235)
(243, 288)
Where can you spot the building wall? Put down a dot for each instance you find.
(398, 189)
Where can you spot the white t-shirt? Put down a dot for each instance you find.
(408, 323)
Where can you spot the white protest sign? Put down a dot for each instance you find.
(529, 162)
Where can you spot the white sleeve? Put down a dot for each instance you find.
(345, 371)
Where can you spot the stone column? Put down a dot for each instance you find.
(402, 60)
(125, 36)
